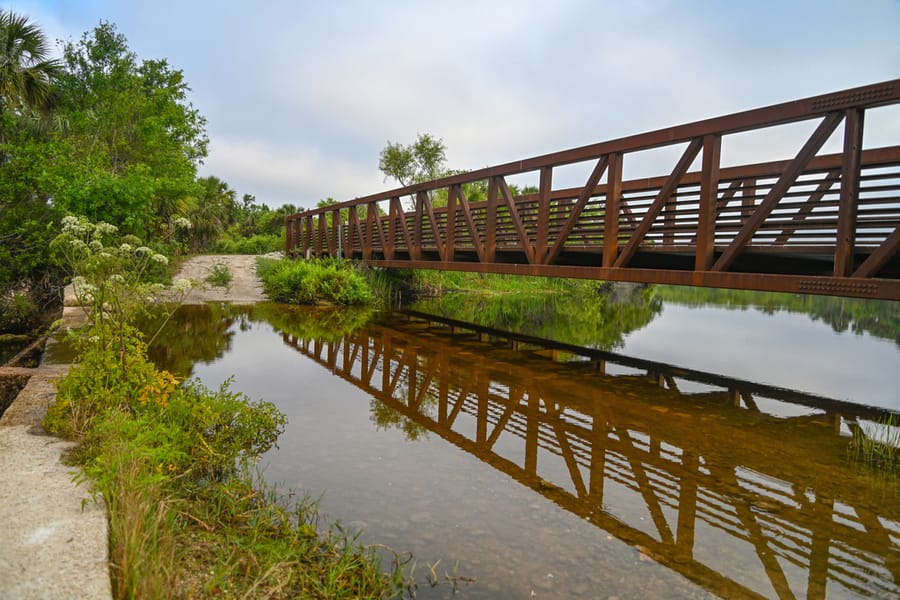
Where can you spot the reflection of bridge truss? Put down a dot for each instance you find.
(623, 445)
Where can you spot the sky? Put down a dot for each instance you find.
(301, 96)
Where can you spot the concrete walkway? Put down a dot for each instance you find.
(53, 536)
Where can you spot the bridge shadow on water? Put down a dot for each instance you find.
(744, 489)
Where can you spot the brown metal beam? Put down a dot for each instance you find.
(882, 289)
(664, 195)
(812, 145)
(709, 190)
(846, 234)
(880, 257)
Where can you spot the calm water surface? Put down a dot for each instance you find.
(546, 473)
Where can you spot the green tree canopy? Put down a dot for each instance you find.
(421, 161)
(26, 217)
(131, 142)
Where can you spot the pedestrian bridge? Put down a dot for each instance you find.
(813, 222)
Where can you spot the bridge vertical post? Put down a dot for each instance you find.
(612, 209)
(849, 197)
(288, 236)
(542, 232)
(392, 229)
(417, 229)
(490, 222)
(748, 197)
(669, 212)
(687, 505)
(309, 234)
(369, 236)
(334, 241)
(322, 237)
(352, 229)
(450, 226)
(599, 436)
(709, 193)
(532, 427)
(482, 388)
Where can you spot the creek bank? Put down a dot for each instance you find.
(54, 539)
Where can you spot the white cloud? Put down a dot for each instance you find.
(319, 88)
(276, 176)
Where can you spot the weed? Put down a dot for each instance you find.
(220, 275)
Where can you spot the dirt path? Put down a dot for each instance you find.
(245, 287)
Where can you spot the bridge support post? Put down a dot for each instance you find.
(850, 167)
(542, 232)
(611, 215)
(709, 193)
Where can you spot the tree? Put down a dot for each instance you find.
(211, 212)
(26, 74)
(132, 143)
(422, 161)
(26, 216)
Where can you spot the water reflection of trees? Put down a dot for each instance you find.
(195, 333)
(311, 322)
(598, 319)
(203, 333)
(880, 318)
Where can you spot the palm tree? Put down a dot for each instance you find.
(26, 74)
(211, 212)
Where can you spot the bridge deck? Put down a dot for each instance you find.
(827, 224)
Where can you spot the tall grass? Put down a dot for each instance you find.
(878, 445)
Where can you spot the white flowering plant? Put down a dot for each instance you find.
(115, 279)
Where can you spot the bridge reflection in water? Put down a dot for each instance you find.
(686, 466)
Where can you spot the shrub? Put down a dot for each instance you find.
(256, 244)
(18, 312)
(322, 281)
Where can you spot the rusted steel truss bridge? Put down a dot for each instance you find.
(812, 223)
(576, 442)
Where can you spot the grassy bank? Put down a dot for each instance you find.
(174, 461)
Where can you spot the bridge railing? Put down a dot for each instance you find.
(817, 224)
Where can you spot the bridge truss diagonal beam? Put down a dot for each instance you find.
(813, 224)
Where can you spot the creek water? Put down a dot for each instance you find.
(657, 443)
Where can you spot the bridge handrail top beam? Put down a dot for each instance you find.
(868, 96)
